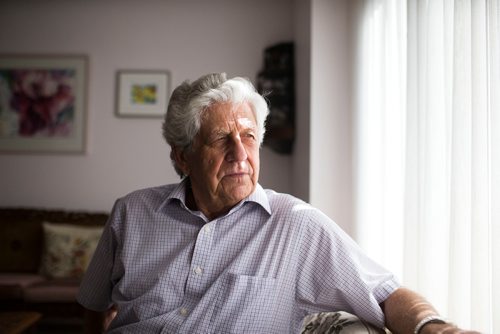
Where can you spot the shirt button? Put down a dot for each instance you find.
(198, 270)
(208, 229)
(184, 311)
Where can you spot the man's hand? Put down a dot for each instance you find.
(98, 322)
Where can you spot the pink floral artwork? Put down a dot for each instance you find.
(37, 102)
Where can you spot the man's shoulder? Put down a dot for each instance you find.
(291, 205)
(296, 209)
(282, 200)
(152, 196)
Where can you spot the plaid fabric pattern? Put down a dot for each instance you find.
(261, 268)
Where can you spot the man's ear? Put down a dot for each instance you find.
(180, 159)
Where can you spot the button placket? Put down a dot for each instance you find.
(207, 229)
(200, 261)
(184, 311)
(198, 270)
(204, 238)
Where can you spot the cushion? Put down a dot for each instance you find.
(337, 322)
(57, 290)
(12, 285)
(67, 249)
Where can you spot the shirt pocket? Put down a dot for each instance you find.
(246, 304)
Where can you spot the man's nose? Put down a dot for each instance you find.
(237, 151)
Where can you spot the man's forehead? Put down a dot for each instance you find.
(221, 116)
(246, 122)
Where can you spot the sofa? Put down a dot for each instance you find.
(43, 255)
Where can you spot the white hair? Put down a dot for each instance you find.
(189, 101)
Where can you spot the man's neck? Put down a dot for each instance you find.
(210, 213)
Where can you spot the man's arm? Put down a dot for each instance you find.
(404, 309)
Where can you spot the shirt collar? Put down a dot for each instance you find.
(179, 191)
(259, 196)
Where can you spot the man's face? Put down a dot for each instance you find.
(223, 165)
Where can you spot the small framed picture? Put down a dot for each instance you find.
(43, 103)
(142, 93)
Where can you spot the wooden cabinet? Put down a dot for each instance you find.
(277, 83)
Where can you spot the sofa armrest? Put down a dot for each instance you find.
(338, 322)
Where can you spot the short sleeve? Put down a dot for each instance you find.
(336, 275)
(96, 286)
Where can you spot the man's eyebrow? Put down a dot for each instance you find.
(217, 133)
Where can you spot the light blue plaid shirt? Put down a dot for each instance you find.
(261, 268)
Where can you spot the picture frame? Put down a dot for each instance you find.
(142, 93)
(43, 103)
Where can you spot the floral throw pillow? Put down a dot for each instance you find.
(68, 249)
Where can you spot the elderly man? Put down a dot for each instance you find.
(217, 253)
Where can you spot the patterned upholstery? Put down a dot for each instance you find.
(337, 323)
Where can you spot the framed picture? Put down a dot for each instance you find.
(142, 93)
(42, 103)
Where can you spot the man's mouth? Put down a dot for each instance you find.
(236, 174)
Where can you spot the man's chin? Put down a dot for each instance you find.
(239, 192)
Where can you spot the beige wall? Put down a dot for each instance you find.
(188, 38)
(330, 162)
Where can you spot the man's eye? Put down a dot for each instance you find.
(250, 135)
(218, 140)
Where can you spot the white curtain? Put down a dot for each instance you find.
(380, 132)
(428, 150)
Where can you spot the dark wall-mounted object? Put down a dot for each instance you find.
(277, 83)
